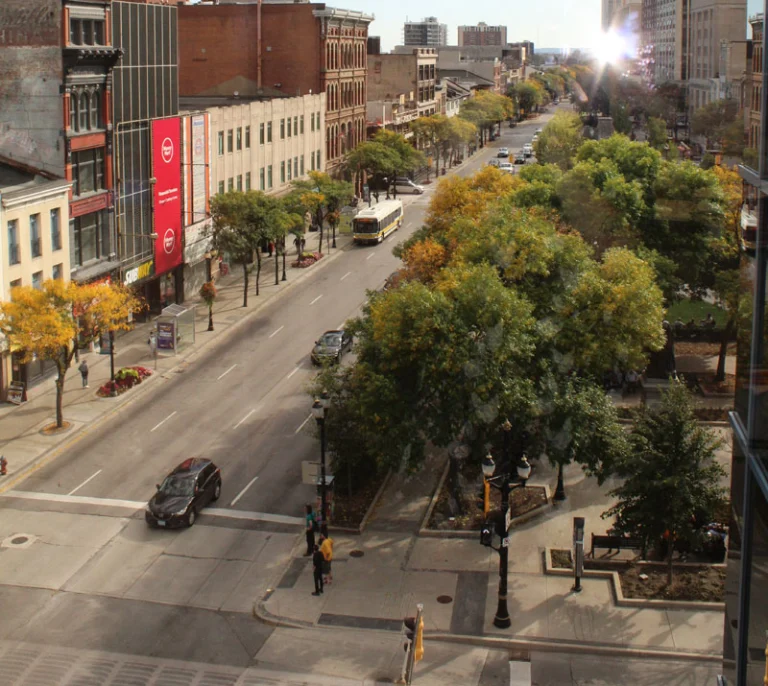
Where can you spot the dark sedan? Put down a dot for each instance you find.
(184, 492)
(331, 346)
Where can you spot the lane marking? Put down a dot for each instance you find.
(244, 418)
(370, 256)
(274, 333)
(221, 376)
(242, 493)
(93, 476)
(293, 372)
(157, 426)
(345, 276)
(341, 326)
(316, 299)
(254, 516)
(303, 423)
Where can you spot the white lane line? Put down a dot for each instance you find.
(245, 418)
(370, 256)
(242, 493)
(316, 299)
(293, 372)
(274, 333)
(253, 516)
(303, 423)
(345, 276)
(341, 326)
(221, 376)
(93, 476)
(157, 426)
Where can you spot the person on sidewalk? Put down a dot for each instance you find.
(83, 369)
(326, 548)
(317, 570)
(311, 527)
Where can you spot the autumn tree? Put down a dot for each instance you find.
(50, 322)
(320, 195)
(424, 259)
(558, 142)
(528, 96)
(431, 132)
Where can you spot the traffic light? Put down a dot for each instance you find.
(486, 534)
(484, 498)
(409, 625)
(418, 647)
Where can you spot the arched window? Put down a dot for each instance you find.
(95, 110)
(73, 111)
(328, 139)
(83, 112)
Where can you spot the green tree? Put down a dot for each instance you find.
(408, 158)
(320, 196)
(657, 133)
(714, 121)
(430, 133)
(671, 479)
(376, 160)
(528, 96)
(559, 140)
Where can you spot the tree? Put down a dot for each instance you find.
(431, 132)
(713, 121)
(559, 140)
(375, 160)
(208, 295)
(657, 133)
(671, 480)
(51, 322)
(528, 96)
(319, 196)
(407, 157)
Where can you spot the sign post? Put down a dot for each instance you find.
(578, 552)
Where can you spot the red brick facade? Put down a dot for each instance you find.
(306, 47)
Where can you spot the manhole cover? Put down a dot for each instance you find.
(18, 540)
(444, 599)
(356, 553)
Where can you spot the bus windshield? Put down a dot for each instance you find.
(366, 225)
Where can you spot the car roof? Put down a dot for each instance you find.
(338, 331)
(192, 465)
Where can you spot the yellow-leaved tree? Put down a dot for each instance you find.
(48, 322)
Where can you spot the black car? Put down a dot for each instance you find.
(331, 346)
(183, 493)
(519, 158)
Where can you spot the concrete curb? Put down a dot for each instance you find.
(620, 600)
(364, 522)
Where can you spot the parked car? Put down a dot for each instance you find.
(405, 185)
(331, 346)
(183, 493)
(503, 152)
(493, 162)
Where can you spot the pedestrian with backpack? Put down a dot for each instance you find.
(83, 369)
(310, 529)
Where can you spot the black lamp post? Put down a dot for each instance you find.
(111, 354)
(285, 278)
(208, 270)
(502, 482)
(319, 408)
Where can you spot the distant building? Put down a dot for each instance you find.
(413, 75)
(616, 13)
(428, 33)
(753, 82)
(482, 34)
(664, 40)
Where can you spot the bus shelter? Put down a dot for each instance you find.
(175, 329)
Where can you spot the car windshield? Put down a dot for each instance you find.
(178, 485)
(331, 340)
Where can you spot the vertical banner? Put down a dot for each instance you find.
(166, 169)
(198, 169)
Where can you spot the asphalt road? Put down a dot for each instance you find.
(245, 404)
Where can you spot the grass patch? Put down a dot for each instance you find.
(685, 310)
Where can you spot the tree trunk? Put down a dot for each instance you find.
(727, 333)
(320, 229)
(62, 365)
(277, 266)
(210, 316)
(245, 284)
(670, 553)
(258, 269)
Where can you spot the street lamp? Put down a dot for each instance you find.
(208, 271)
(319, 409)
(501, 480)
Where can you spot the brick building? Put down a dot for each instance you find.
(413, 75)
(482, 34)
(753, 82)
(227, 49)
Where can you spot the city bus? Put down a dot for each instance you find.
(374, 224)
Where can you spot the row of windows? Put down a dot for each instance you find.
(87, 171)
(426, 94)
(289, 170)
(240, 137)
(87, 32)
(340, 138)
(90, 238)
(426, 71)
(85, 110)
(344, 55)
(57, 272)
(345, 94)
(35, 236)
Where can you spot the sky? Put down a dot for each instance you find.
(548, 23)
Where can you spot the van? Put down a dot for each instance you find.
(404, 185)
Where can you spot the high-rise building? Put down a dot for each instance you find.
(620, 15)
(664, 40)
(482, 34)
(753, 82)
(427, 33)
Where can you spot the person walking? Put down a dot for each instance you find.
(326, 548)
(311, 527)
(83, 369)
(317, 570)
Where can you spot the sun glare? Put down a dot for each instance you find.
(609, 48)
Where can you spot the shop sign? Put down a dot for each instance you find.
(166, 170)
(135, 274)
(15, 393)
(166, 339)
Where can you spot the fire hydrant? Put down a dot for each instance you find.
(3, 466)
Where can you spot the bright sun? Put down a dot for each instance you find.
(609, 48)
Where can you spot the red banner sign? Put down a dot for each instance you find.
(166, 168)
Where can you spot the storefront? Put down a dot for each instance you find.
(158, 291)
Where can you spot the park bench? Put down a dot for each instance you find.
(610, 543)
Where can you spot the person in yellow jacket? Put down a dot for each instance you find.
(326, 548)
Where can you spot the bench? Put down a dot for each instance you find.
(610, 543)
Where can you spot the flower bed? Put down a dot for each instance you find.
(125, 379)
(307, 259)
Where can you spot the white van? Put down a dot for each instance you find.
(405, 185)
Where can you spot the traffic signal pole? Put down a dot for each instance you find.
(414, 629)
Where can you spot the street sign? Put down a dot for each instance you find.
(310, 472)
(505, 542)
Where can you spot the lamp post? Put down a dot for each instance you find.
(501, 481)
(111, 354)
(319, 408)
(285, 278)
(208, 270)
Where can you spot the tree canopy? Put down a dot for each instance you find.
(558, 142)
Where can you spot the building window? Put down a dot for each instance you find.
(312, 121)
(86, 32)
(282, 129)
(230, 140)
(295, 126)
(247, 137)
(269, 132)
(73, 111)
(37, 280)
(302, 165)
(95, 110)
(319, 163)
(220, 139)
(87, 171)
(261, 179)
(239, 182)
(301, 124)
(16, 283)
(295, 167)
(83, 112)
(289, 127)
(231, 184)
(13, 242)
(55, 229)
(247, 181)
(261, 134)
(239, 138)
(289, 170)
(90, 238)
(317, 118)
(35, 243)
(58, 272)
(312, 161)
(282, 172)
(269, 176)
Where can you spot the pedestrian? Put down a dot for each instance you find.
(271, 248)
(326, 548)
(317, 570)
(310, 528)
(83, 368)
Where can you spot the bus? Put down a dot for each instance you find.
(374, 224)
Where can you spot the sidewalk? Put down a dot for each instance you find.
(379, 577)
